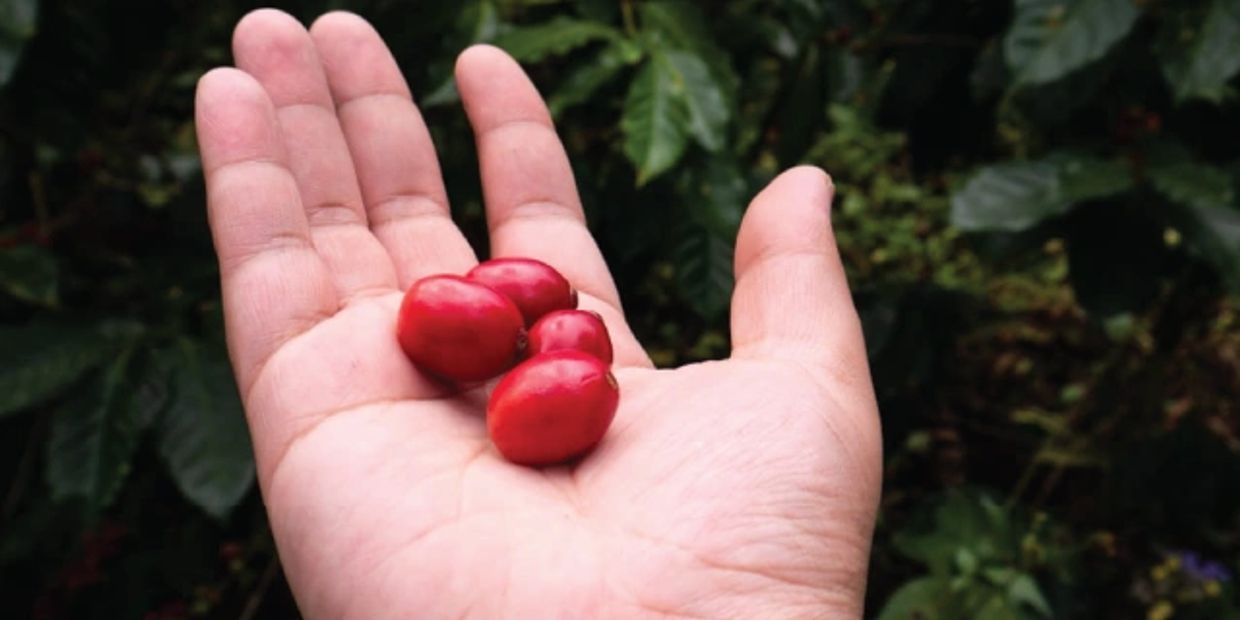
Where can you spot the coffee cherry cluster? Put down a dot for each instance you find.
(559, 399)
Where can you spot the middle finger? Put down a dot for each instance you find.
(275, 48)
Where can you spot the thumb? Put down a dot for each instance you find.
(791, 301)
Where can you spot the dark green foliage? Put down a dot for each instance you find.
(1036, 204)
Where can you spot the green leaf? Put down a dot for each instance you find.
(29, 273)
(598, 10)
(581, 83)
(1206, 214)
(1024, 591)
(704, 99)
(961, 521)
(40, 360)
(203, 436)
(1199, 61)
(1014, 196)
(443, 94)
(556, 37)
(704, 271)
(1050, 39)
(1086, 178)
(1188, 182)
(93, 437)
(475, 21)
(715, 193)
(678, 25)
(655, 121)
(1010, 196)
(18, 19)
(991, 604)
(1214, 232)
(924, 598)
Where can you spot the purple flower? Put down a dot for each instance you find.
(1200, 569)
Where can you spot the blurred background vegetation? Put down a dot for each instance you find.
(1036, 205)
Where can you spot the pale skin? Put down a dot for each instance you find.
(740, 488)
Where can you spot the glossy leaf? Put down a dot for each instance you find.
(552, 38)
(1015, 196)
(1011, 196)
(1086, 178)
(1207, 214)
(583, 82)
(961, 521)
(1214, 231)
(677, 25)
(1023, 590)
(476, 21)
(29, 273)
(704, 271)
(1049, 39)
(703, 97)
(680, 24)
(18, 19)
(924, 598)
(715, 194)
(203, 436)
(93, 437)
(40, 360)
(1199, 61)
(1189, 182)
(655, 120)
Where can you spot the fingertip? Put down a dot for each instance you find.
(792, 297)
(259, 19)
(481, 57)
(339, 22)
(226, 84)
(356, 60)
(818, 179)
(791, 214)
(235, 118)
(811, 183)
(261, 26)
(495, 90)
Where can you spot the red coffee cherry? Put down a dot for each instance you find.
(533, 285)
(459, 329)
(582, 330)
(552, 408)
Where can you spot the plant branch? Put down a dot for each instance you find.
(255, 601)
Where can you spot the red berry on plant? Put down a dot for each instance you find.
(459, 329)
(552, 408)
(534, 286)
(582, 330)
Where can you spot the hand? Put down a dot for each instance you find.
(741, 488)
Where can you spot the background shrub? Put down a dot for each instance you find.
(1036, 205)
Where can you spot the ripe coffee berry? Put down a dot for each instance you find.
(459, 329)
(552, 408)
(534, 286)
(582, 330)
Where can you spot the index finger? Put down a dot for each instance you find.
(532, 204)
(274, 284)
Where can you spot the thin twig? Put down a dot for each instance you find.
(264, 584)
(24, 467)
(38, 196)
(917, 40)
(626, 11)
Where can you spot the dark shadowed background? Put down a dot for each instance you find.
(1036, 205)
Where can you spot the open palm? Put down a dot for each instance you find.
(740, 488)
